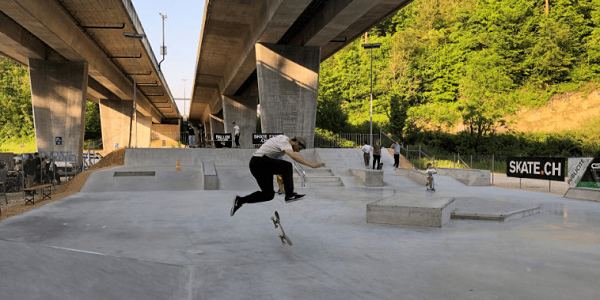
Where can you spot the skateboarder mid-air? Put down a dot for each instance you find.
(265, 163)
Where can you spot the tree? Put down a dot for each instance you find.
(16, 115)
(92, 121)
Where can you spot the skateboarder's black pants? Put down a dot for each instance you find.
(263, 168)
(396, 160)
(237, 140)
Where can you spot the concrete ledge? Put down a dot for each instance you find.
(418, 212)
(209, 175)
(369, 178)
(472, 177)
(414, 175)
(456, 215)
(583, 194)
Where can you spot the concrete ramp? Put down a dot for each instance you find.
(341, 158)
(139, 180)
(583, 194)
(469, 177)
(187, 157)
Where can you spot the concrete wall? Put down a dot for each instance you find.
(414, 175)
(144, 130)
(288, 81)
(165, 132)
(58, 95)
(471, 177)
(243, 112)
(115, 118)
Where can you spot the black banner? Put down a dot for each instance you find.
(261, 138)
(222, 140)
(546, 168)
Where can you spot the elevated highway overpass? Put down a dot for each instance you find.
(268, 52)
(250, 52)
(76, 49)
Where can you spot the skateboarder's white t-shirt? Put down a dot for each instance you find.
(274, 147)
(236, 130)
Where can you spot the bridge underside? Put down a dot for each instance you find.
(268, 52)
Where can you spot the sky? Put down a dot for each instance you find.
(182, 35)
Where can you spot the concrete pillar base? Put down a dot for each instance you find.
(243, 112)
(288, 83)
(58, 92)
(115, 118)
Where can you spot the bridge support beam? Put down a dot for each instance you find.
(115, 118)
(242, 111)
(144, 131)
(215, 127)
(58, 94)
(288, 82)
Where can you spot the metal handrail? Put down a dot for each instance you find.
(300, 171)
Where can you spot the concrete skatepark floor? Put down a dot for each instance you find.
(184, 245)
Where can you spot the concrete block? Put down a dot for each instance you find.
(209, 175)
(369, 178)
(471, 177)
(414, 175)
(583, 194)
(411, 211)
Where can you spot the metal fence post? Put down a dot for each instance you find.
(454, 161)
(492, 169)
(420, 164)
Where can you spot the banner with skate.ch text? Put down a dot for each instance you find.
(546, 168)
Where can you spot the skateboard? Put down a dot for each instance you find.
(277, 222)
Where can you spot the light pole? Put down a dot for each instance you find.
(163, 48)
(184, 80)
(371, 46)
(133, 37)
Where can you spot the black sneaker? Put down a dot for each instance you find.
(293, 197)
(280, 192)
(236, 205)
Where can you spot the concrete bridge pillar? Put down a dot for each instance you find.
(144, 131)
(216, 127)
(288, 82)
(58, 94)
(115, 118)
(242, 111)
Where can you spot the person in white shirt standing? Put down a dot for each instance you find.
(366, 149)
(265, 163)
(236, 133)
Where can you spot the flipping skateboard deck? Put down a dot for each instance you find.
(277, 222)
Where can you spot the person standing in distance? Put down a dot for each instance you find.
(236, 133)
(366, 149)
(265, 163)
(396, 146)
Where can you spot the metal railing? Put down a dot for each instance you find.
(300, 171)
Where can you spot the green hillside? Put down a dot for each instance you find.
(468, 64)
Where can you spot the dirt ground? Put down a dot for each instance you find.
(16, 203)
(563, 112)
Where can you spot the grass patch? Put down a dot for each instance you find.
(15, 146)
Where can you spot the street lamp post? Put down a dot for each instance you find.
(371, 46)
(163, 48)
(134, 36)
